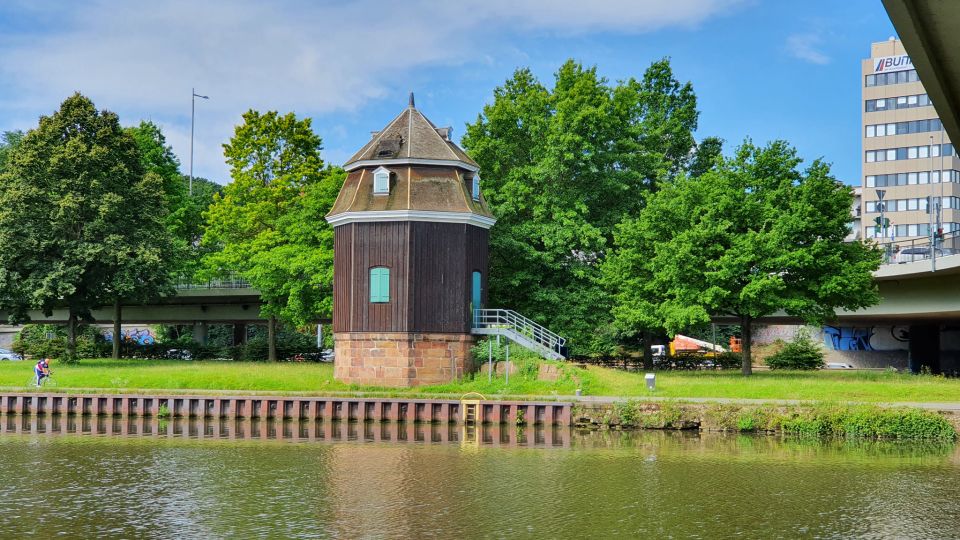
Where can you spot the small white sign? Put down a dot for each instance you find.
(892, 63)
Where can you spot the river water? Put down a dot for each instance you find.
(83, 478)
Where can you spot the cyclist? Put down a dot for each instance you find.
(42, 369)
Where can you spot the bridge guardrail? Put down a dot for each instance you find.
(229, 281)
(918, 249)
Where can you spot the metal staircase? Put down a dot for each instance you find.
(520, 330)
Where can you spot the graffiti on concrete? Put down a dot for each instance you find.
(846, 338)
(140, 336)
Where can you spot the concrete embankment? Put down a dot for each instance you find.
(451, 411)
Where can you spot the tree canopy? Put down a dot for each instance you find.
(751, 236)
(9, 141)
(561, 167)
(81, 221)
(268, 225)
(184, 219)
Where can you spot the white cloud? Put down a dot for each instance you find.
(141, 58)
(806, 47)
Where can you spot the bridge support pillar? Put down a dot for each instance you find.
(200, 333)
(239, 333)
(925, 348)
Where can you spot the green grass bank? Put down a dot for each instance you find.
(310, 378)
(827, 412)
(822, 420)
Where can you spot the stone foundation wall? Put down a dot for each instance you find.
(401, 359)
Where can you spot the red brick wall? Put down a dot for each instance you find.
(401, 359)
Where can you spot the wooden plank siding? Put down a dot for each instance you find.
(431, 266)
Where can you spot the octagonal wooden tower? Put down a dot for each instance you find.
(411, 257)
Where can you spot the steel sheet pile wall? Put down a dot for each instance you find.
(303, 408)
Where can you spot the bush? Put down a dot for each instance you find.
(869, 422)
(50, 340)
(801, 353)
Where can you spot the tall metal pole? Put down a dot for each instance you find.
(883, 223)
(193, 106)
(508, 363)
(489, 360)
(933, 202)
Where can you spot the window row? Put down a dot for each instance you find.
(900, 231)
(900, 102)
(913, 178)
(908, 152)
(907, 205)
(896, 77)
(904, 128)
(381, 183)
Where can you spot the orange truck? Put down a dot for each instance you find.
(687, 344)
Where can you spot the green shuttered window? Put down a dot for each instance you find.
(379, 285)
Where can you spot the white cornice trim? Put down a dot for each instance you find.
(409, 161)
(468, 218)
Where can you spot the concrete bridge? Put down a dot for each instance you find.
(915, 324)
(221, 301)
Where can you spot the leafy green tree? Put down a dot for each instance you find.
(185, 217)
(752, 236)
(269, 223)
(561, 167)
(81, 223)
(8, 143)
(708, 154)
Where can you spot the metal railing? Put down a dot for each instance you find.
(918, 249)
(229, 281)
(484, 319)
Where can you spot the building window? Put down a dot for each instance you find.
(381, 181)
(908, 152)
(379, 285)
(475, 190)
(895, 77)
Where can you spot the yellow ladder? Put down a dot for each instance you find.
(471, 408)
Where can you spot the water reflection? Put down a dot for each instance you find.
(88, 477)
(289, 430)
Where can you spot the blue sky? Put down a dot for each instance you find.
(761, 69)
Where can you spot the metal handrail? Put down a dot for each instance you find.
(493, 318)
(893, 252)
(231, 280)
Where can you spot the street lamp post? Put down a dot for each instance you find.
(193, 107)
(934, 202)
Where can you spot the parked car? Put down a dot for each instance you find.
(912, 254)
(838, 365)
(7, 354)
(179, 354)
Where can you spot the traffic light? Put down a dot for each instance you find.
(880, 224)
(939, 234)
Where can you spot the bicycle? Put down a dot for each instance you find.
(47, 381)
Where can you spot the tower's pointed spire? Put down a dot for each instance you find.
(412, 106)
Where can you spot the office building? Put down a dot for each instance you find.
(908, 160)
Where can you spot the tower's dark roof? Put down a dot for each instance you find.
(411, 137)
(429, 176)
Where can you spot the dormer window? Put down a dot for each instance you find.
(381, 181)
(475, 190)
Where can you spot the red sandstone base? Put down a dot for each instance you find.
(401, 359)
